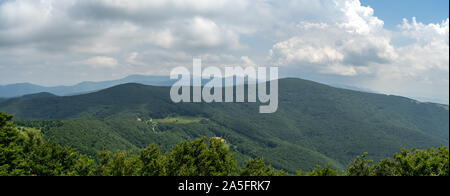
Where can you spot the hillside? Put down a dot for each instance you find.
(315, 123)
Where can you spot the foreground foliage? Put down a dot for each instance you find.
(315, 124)
(25, 152)
(414, 162)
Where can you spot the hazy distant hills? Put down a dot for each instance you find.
(17, 90)
(421, 99)
(315, 123)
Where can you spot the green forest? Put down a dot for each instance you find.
(23, 152)
(315, 124)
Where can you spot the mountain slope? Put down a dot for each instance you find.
(315, 123)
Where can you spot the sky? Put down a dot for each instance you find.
(393, 11)
(396, 47)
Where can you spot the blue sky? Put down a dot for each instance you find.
(393, 11)
(64, 42)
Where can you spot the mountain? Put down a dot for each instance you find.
(431, 100)
(17, 90)
(315, 123)
(354, 88)
(422, 99)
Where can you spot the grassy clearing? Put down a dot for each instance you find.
(180, 120)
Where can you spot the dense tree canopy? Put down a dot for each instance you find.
(25, 152)
(414, 162)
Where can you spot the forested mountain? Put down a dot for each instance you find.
(314, 124)
(23, 152)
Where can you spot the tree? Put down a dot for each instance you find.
(323, 171)
(431, 162)
(84, 167)
(197, 159)
(152, 161)
(11, 153)
(27, 153)
(360, 166)
(48, 158)
(257, 167)
(105, 164)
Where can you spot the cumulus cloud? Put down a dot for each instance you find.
(423, 63)
(248, 62)
(341, 46)
(425, 32)
(430, 47)
(355, 44)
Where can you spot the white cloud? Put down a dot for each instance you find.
(248, 62)
(204, 32)
(358, 19)
(425, 33)
(339, 70)
(423, 64)
(101, 62)
(132, 59)
(431, 48)
(163, 38)
(340, 46)
(355, 43)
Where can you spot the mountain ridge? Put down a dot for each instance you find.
(21, 89)
(315, 123)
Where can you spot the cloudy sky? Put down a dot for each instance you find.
(399, 47)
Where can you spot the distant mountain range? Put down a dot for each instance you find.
(315, 123)
(17, 90)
